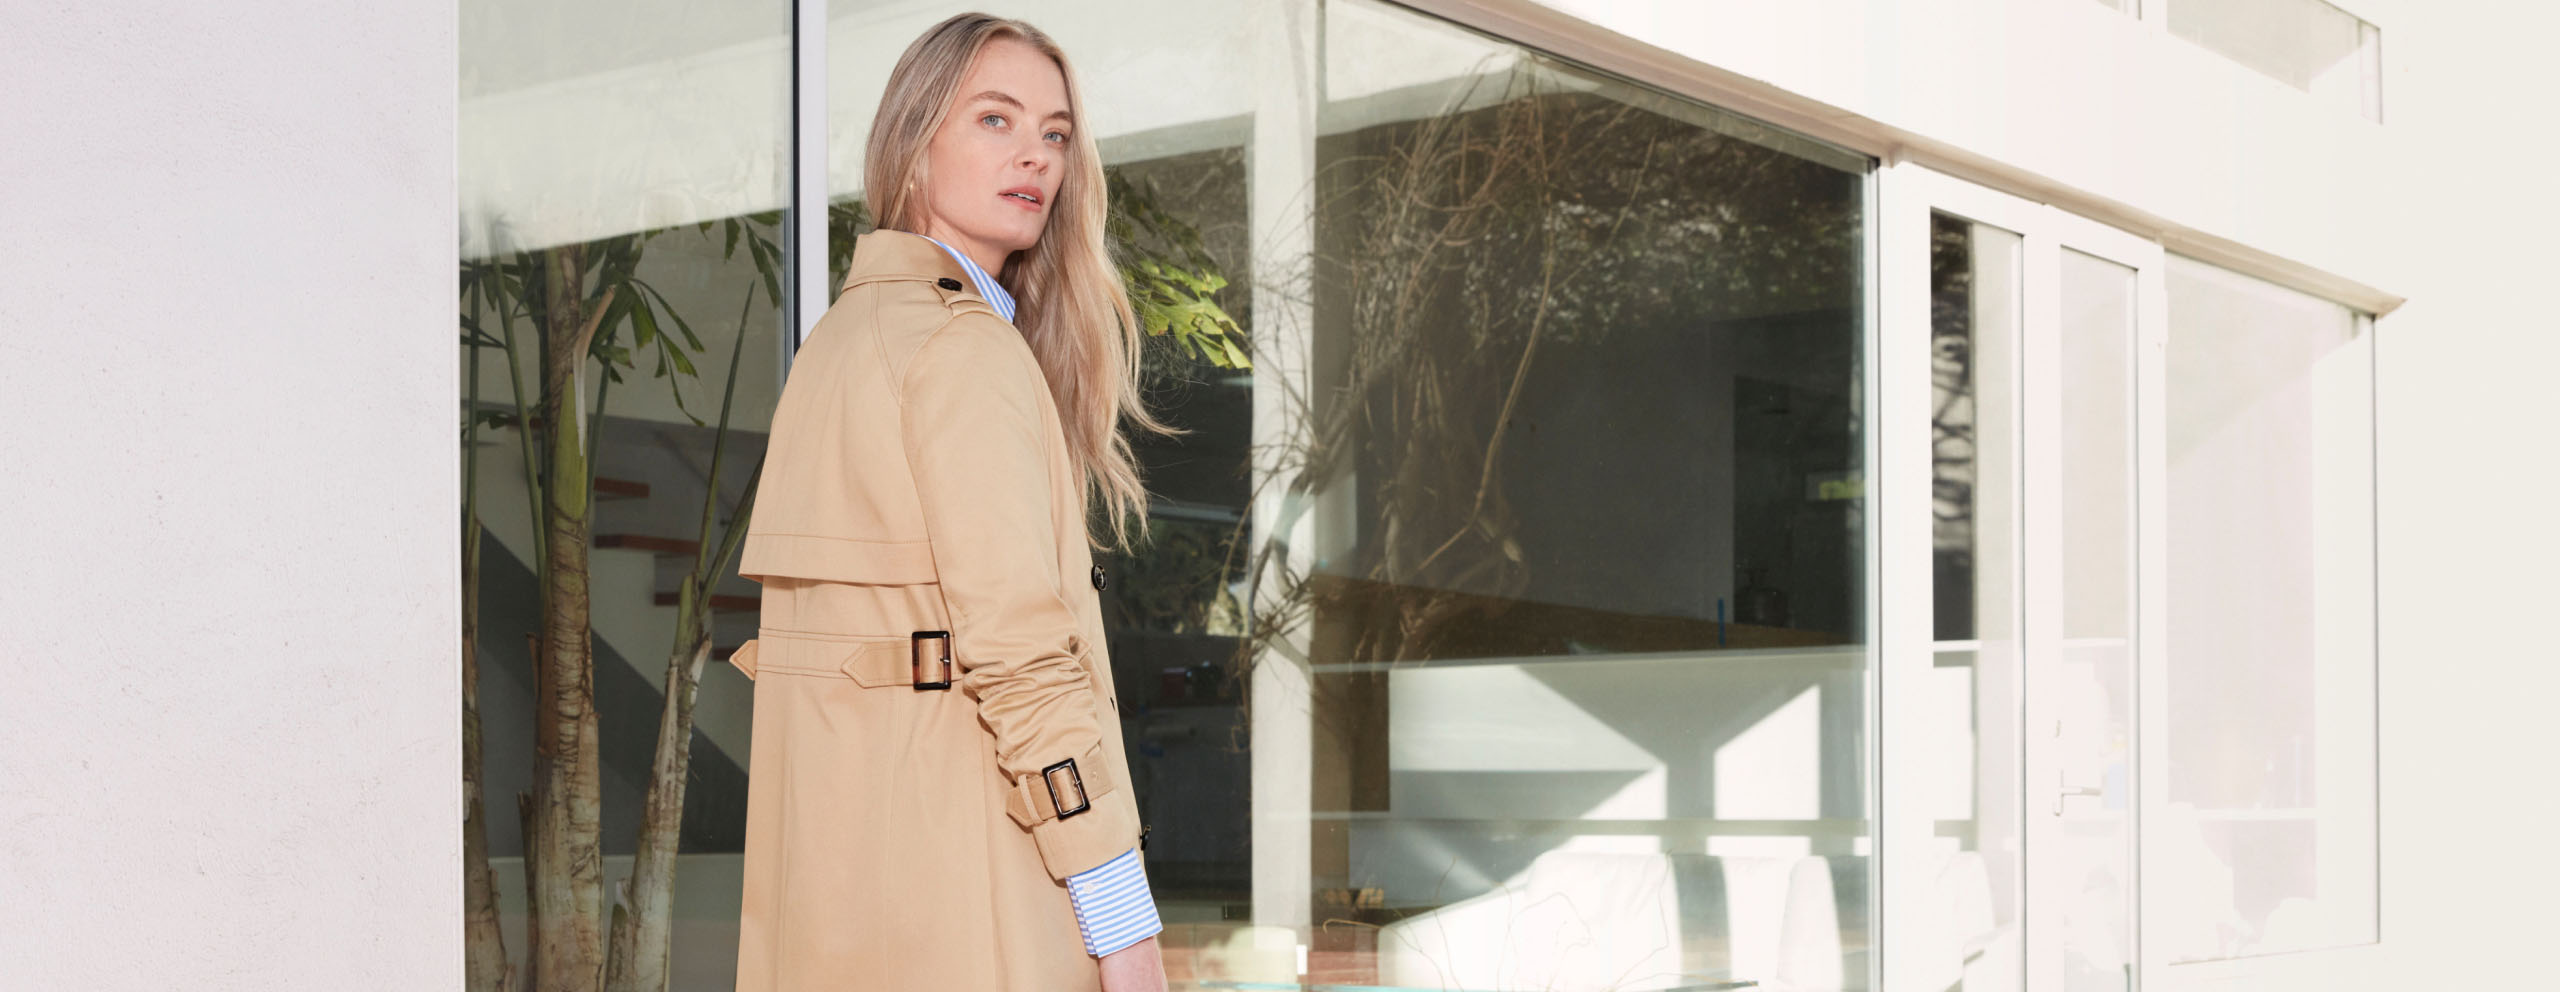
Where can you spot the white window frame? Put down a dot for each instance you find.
(1905, 634)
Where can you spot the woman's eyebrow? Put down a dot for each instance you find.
(999, 97)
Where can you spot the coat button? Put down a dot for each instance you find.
(947, 282)
(1099, 580)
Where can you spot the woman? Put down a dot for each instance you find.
(938, 794)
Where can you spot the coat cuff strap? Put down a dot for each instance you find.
(1029, 801)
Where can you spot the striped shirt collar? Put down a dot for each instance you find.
(987, 285)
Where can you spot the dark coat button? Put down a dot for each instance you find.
(947, 282)
(1099, 580)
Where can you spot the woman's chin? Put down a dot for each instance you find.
(1018, 231)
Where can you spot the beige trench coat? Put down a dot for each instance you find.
(898, 837)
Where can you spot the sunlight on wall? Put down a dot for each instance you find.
(1773, 771)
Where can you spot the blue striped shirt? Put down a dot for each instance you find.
(1113, 906)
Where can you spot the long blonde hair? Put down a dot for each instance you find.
(1069, 301)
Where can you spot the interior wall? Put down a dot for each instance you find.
(229, 746)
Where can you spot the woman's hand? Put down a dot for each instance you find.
(1138, 967)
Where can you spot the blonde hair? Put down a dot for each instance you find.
(1069, 301)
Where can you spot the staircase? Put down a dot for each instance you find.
(645, 495)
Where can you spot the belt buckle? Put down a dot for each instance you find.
(1049, 778)
(916, 659)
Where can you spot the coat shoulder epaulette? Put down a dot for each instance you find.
(910, 312)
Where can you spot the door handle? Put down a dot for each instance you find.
(2063, 789)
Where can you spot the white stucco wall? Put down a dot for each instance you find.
(229, 744)
(2464, 218)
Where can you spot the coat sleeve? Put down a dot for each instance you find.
(978, 447)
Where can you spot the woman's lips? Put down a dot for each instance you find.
(1009, 197)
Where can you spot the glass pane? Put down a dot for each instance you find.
(2307, 44)
(1975, 303)
(2092, 677)
(2270, 830)
(1588, 662)
(602, 153)
(1972, 706)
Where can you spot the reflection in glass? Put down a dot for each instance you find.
(2092, 673)
(2270, 826)
(1972, 703)
(1586, 635)
(622, 201)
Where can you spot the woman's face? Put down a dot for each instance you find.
(994, 167)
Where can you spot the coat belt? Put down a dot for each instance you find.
(868, 659)
(877, 660)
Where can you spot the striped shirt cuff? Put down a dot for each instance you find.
(1113, 907)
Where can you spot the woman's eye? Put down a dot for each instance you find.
(991, 117)
(1060, 135)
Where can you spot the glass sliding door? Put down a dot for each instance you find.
(2080, 623)
(1953, 678)
(1973, 862)
(2020, 343)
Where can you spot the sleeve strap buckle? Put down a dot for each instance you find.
(1064, 789)
(1075, 780)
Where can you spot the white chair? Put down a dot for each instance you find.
(1575, 921)
(1809, 935)
(1755, 895)
(1786, 919)
(1972, 945)
(1249, 953)
(1588, 921)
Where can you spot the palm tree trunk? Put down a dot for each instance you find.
(640, 937)
(638, 960)
(567, 898)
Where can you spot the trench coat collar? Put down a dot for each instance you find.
(885, 255)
